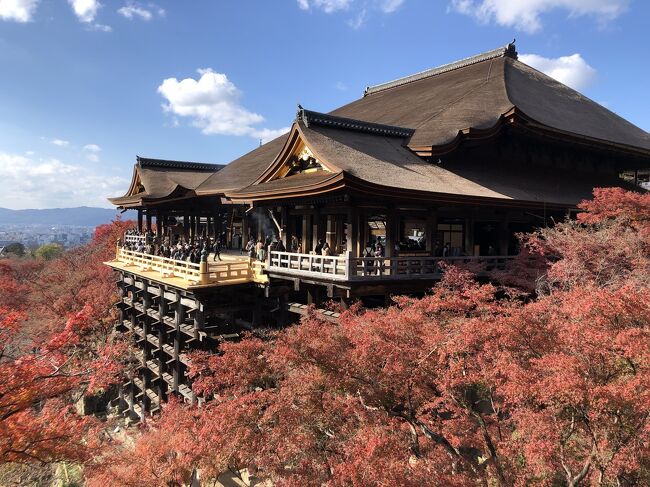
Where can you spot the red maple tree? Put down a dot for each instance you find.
(472, 384)
(55, 344)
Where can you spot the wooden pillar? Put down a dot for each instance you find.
(431, 230)
(352, 236)
(392, 232)
(196, 227)
(186, 227)
(284, 233)
(504, 235)
(315, 227)
(148, 228)
(306, 233)
(330, 234)
(140, 221)
(179, 315)
(158, 224)
(162, 358)
(192, 228)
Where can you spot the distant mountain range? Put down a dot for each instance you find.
(81, 216)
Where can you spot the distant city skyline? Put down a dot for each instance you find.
(89, 84)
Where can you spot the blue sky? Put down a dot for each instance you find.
(86, 85)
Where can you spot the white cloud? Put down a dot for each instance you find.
(571, 70)
(212, 104)
(359, 8)
(327, 6)
(101, 28)
(134, 10)
(18, 10)
(525, 14)
(47, 183)
(359, 19)
(85, 10)
(92, 152)
(60, 142)
(341, 86)
(389, 6)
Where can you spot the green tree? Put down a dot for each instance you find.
(49, 251)
(15, 248)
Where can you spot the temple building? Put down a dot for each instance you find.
(448, 164)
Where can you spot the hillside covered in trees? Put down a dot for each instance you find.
(539, 377)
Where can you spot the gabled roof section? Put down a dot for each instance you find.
(477, 96)
(506, 51)
(147, 162)
(309, 117)
(154, 180)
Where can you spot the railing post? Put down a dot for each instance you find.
(349, 265)
(204, 275)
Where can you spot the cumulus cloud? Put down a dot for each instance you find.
(525, 14)
(212, 104)
(85, 10)
(46, 183)
(358, 8)
(389, 6)
(571, 70)
(133, 10)
(92, 152)
(60, 142)
(18, 10)
(327, 6)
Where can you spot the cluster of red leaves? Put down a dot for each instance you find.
(458, 388)
(55, 344)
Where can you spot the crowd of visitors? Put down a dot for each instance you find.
(182, 249)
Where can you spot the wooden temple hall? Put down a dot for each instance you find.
(444, 165)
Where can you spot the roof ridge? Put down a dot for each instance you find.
(505, 51)
(317, 118)
(197, 166)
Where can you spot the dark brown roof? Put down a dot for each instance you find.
(158, 179)
(242, 171)
(373, 139)
(383, 165)
(476, 93)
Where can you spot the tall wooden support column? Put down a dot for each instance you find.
(431, 230)
(469, 234)
(504, 235)
(186, 226)
(148, 228)
(158, 223)
(179, 315)
(306, 237)
(140, 221)
(352, 236)
(284, 233)
(330, 234)
(245, 231)
(199, 322)
(198, 232)
(315, 236)
(192, 228)
(392, 232)
(162, 359)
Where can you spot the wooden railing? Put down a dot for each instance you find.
(330, 267)
(346, 267)
(135, 239)
(202, 273)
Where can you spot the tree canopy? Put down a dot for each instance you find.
(542, 383)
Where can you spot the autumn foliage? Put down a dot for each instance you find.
(55, 346)
(474, 384)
